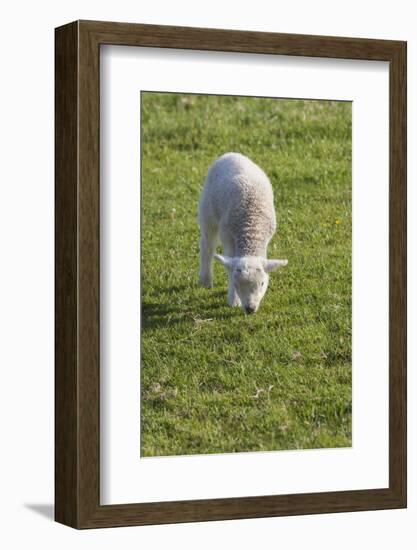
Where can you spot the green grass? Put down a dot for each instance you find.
(214, 380)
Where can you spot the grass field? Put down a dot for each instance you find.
(213, 379)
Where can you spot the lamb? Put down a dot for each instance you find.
(237, 205)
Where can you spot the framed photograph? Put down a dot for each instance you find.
(230, 274)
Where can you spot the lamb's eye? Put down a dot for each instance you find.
(263, 282)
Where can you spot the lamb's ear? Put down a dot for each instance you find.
(272, 265)
(224, 260)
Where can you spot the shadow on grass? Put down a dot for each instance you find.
(192, 307)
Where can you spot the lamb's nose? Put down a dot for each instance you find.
(249, 309)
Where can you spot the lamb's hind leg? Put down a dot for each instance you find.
(208, 242)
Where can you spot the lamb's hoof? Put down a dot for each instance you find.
(234, 303)
(207, 283)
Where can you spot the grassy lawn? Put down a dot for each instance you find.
(213, 379)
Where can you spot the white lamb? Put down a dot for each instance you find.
(237, 205)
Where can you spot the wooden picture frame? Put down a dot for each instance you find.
(77, 374)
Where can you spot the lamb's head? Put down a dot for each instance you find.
(250, 277)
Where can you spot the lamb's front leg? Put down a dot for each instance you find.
(232, 296)
(229, 249)
(207, 247)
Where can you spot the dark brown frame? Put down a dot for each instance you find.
(77, 274)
